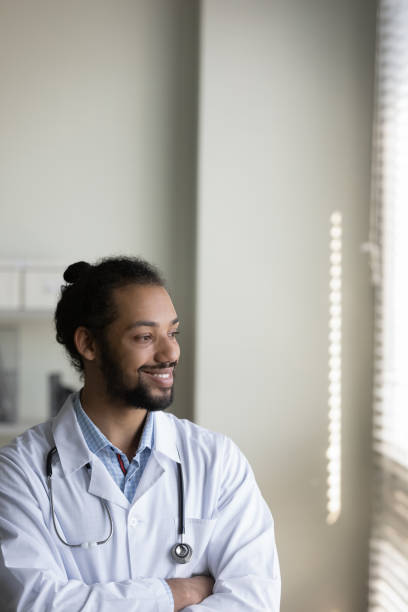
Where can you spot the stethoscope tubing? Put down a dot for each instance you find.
(181, 525)
(181, 552)
(103, 502)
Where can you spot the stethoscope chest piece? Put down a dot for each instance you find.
(181, 552)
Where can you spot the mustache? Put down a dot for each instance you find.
(160, 366)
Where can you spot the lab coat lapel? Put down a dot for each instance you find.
(74, 454)
(165, 448)
(103, 485)
(151, 474)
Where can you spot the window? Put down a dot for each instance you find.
(389, 259)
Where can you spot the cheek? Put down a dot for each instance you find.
(134, 357)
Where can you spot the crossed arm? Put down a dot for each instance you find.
(190, 591)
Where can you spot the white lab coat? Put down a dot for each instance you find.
(228, 524)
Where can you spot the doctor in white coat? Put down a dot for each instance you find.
(96, 524)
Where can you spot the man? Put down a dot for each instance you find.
(113, 504)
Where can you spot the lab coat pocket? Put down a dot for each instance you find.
(198, 534)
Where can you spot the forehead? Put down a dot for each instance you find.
(143, 303)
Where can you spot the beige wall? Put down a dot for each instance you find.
(285, 119)
(97, 151)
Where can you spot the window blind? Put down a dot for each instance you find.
(388, 245)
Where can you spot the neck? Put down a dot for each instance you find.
(122, 425)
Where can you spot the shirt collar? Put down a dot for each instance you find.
(74, 452)
(96, 440)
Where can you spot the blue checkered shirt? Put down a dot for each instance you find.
(112, 457)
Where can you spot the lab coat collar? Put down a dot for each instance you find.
(73, 450)
(74, 454)
(165, 440)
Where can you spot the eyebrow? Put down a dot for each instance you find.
(149, 323)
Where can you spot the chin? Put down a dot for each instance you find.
(148, 401)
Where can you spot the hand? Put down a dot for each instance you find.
(190, 591)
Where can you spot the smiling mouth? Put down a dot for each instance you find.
(162, 377)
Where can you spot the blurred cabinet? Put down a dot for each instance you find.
(29, 286)
(30, 357)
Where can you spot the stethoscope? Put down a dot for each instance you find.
(181, 552)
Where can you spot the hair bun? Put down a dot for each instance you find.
(75, 271)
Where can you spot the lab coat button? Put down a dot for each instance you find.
(133, 522)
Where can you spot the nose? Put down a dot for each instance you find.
(167, 350)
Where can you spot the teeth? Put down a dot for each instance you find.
(162, 375)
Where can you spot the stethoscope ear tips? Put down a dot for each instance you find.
(181, 553)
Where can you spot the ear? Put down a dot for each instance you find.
(85, 343)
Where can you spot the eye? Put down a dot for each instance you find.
(173, 334)
(143, 338)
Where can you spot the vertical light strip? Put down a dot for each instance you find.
(334, 398)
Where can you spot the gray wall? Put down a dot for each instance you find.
(285, 120)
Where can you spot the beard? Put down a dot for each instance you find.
(139, 395)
